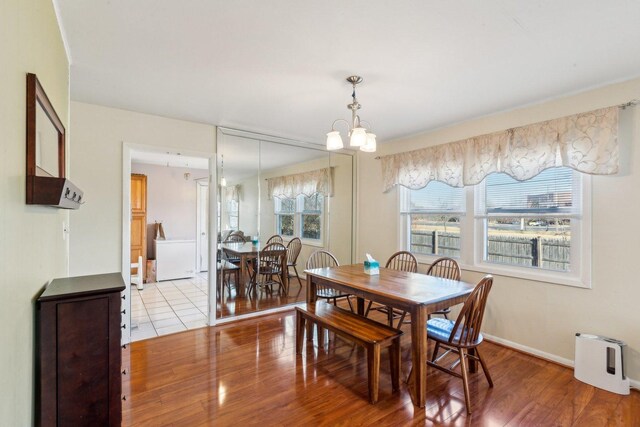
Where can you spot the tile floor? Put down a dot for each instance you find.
(170, 306)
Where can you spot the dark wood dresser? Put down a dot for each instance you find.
(78, 352)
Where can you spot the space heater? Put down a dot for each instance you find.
(599, 361)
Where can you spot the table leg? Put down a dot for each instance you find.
(285, 275)
(311, 298)
(419, 354)
(243, 276)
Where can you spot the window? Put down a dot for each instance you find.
(233, 211)
(311, 216)
(529, 223)
(433, 219)
(536, 229)
(285, 210)
(300, 217)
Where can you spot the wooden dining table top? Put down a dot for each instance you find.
(405, 287)
(240, 247)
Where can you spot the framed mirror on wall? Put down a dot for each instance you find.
(45, 149)
(286, 199)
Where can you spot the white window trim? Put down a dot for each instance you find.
(472, 243)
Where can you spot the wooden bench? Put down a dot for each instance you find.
(365, 332)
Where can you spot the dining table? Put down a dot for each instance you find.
(246, 251)
(415, 293)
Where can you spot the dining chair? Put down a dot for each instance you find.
(234, 237)
(276, 238)
(323, 259)
(293, 251)
(266, 270)
(462, 337)
(401, 261)
(446, 268)
(225, 269)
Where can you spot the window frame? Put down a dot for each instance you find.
(277, 203)
(298, 223)
(472, 241)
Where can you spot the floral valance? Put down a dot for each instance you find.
(586, 142)
(307, 183)
(232, 192)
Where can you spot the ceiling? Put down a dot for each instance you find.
(243, 157)
(279, 66)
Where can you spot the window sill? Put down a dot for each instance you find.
(525, 273)
(316, 243)
(544, 276)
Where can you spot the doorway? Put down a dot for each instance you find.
(174, 292)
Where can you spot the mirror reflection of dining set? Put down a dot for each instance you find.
(243, 265)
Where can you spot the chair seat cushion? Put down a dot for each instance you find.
(440, 330)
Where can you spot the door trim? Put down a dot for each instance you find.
(199, 185)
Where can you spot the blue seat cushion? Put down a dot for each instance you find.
(440, 330)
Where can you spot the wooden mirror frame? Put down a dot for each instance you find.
(36, 95)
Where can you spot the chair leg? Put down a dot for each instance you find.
(465, 379)
(401, 321)
(366, 311)
(394, 360)
(297, 276)
(435, 352)
(484, 368)
(373, 365)
(299, 332)
(350, 305)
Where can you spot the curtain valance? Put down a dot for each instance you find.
(586, 142)
(307, 183)
(232, 192)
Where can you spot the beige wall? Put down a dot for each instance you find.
(248, 207)
(98, 136)
(32, 249)
(543, 316)
(171, 200)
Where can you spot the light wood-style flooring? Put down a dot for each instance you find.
(247, 373)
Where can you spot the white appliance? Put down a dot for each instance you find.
(175, 259)
(599, 362)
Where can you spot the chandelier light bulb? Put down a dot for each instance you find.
(358, 137)
(334, 140)
(370, 145)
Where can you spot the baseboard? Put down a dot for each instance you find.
(543, 355)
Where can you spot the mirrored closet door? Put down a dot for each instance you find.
(278, 202)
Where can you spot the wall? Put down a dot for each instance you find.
(98, 135)
(543, 316)
(171, 199)
(248, 207)
(32, 249)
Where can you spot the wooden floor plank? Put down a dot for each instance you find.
(248, 374)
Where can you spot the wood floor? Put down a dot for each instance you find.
(233, 305)
(247, 374)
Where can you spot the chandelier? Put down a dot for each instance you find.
(359, 136)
